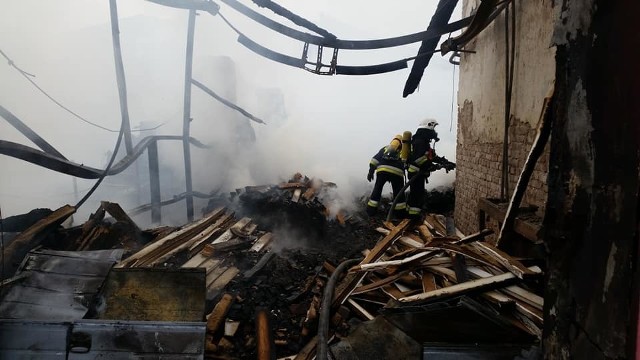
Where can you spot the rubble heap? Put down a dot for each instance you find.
(257, 296)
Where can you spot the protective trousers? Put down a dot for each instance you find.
(416, 194)
(397, 182)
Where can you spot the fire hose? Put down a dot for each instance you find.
(325, 307)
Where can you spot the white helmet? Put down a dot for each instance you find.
(428, 124)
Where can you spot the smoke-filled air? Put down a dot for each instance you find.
(323, 126)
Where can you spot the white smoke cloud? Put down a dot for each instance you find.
(329, 127)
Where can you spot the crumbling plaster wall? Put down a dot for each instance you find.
(481, 104)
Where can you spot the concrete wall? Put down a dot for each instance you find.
(481, 106)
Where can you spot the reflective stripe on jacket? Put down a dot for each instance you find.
(386, 161)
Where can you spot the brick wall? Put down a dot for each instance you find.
(481, 106)
(479, 169)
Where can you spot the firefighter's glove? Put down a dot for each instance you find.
(370, 176)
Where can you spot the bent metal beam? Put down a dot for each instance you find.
(64, 166)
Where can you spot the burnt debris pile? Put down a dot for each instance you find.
(240, 283)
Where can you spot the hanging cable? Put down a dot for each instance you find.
(453, 95)
(510, 44)
(106, 170)
(28, 76)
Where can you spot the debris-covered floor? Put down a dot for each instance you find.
(248, 281)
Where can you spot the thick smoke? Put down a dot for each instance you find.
(325, 127)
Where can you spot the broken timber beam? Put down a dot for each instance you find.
(219, 313)
(264, 260)
(262, 242)
(30, 238)
(514, 266)
(263, 334)
(233, 244)
(477, 285)
(374, 254)
(116, 211)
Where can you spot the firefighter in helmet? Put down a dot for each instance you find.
(421, 158)
(388, 167)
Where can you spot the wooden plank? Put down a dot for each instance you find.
(463, 288)
(309, 194)
(155, 247)
(31, 237)
(511, 264)
(224, 278)
(296, 195)
(383, 231)
(359, 310)
(522, 227)
(378, 283)
(231, 327)
(378, 250)
(393, 292)
(384, 264)
(259, 265)
(116, 211)
(405, 240)
(515, 291)
(445, 272)
(262, 242)
(499, 299)
(219, 313)
(474, 237)
(229, 234)
(233, 244)
(440, 229)
(210, 264)
(202, 236)
(222, 224)
(263, 335)
(215, 273)
(246, 230)
(530, 312)
(460, 267)
(425, 234)
(292, 185)
(195, 261)
(428, 282)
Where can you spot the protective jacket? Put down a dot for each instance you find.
(389, 168)
(421, 157)
(387, 160)
(421, 152)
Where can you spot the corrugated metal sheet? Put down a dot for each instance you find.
(59, 285)
(91, 339)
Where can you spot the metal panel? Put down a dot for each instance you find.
(33, 340)
(91, 339)
(153, 294)
(59, 285)
(139, 340)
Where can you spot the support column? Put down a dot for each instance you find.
(122, 84)
(187, 113)
(154, 182)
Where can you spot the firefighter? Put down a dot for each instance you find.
(388, 167)
(421, 158)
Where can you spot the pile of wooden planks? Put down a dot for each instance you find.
(205, 243)
(424, 264)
